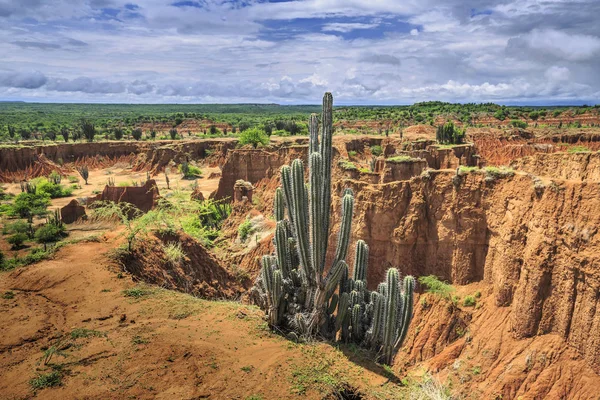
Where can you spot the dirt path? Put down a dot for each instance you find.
(154, 344)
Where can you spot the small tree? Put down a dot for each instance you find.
(135, 222)
(173, 133)
(254, 137)
(243, 126)
(49, 233)
(25, 133)
(118, 132)
(64, 132)
(137, 133)
(16, 241)
(88, 130)
(268, 128)
(84, 172)
(213, 130)
(11, 131)
(51, 135)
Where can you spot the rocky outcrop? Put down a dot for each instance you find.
(583, 166)
(143, 197)
(402, 170)
(72, 212)
(539, 253)
(153, 156)
(254, 165)
(242, 191)
(198, 272)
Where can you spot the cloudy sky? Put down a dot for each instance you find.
(364, 51)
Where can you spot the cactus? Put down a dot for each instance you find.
(361, 258)
(396, 316)
(298, 289)
(84, 172)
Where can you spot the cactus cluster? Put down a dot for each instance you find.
(303, 297)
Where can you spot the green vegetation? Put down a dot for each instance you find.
(189, 171)
(469, 301)
(245, 229)
(306, 304)
(578, 149)
(450, 134)
(138, 292)
(254, 137)
(435, 286)
(376, 150)
(174, 253)
(44, 186)
(43, 381)
(494, 173)
(23, 121)
(516, 123)
(402, 159)
(347, 164)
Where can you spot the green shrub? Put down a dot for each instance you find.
(44, 381)
(449, 133)
(173, 253)
(402, 159)
(517, 123)
(254, 136)
(578, 149)
(245, 229)
(433, 285)
(19, 226)
(493, 173)
(49, 233)
(189, 171)
(17, 240)
(469, 301)
(347, 164)
(52, 189)
(352, 153)
(376, 150)
(26, 205)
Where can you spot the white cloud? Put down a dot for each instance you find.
(346, 27)
(401, 51)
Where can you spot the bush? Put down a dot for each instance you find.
(402, 159)
(494, 173)
(88, 130)
(19, 226)
(245, 229)
(435, 286)
(137, 133)
(53, 190)
(51, 379)
(376, 150)
(469, 301)
(173, 133)
(49, 233)
(26, 205)
(17, 240)
(253, 136)
(517, 123)
(189, 171)
(450, 134)
(173, 253)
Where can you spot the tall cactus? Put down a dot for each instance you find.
(299, 289)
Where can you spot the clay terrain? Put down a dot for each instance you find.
(507, 223)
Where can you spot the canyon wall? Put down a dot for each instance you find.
(540, 254)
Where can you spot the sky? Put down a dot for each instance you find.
(538, 52)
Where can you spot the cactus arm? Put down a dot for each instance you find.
(316, 214)
(279, 205)
(345, 228)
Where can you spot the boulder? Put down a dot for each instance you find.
(72, 212)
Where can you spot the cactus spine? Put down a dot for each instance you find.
(298, 289)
